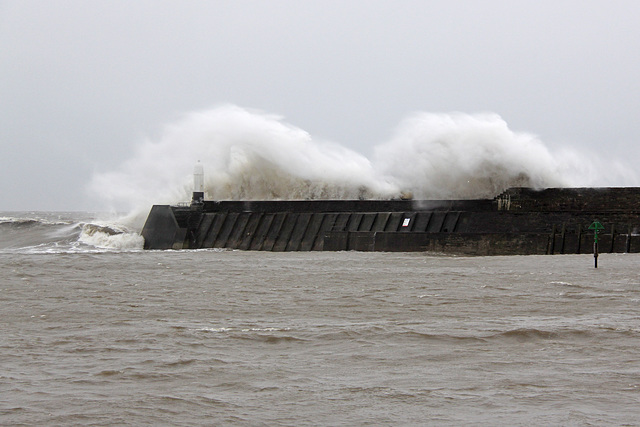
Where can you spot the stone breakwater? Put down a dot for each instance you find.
(520, 221)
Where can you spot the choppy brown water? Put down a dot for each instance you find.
(249, 338)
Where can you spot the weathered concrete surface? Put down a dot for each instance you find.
(162, 231)
(519, 221)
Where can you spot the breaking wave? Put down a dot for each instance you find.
(110, 237)
(42, 235)
(251, 155)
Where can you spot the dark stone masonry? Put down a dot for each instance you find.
(520, 221)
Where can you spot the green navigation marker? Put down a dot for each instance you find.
(595, 226)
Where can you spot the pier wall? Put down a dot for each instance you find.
(519, 221)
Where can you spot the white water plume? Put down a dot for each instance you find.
(441, 156)
(246, 155)
(250, 155)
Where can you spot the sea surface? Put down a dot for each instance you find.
(95, 331)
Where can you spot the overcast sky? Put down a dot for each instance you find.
(82, 82)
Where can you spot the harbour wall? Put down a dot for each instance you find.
(519, 221)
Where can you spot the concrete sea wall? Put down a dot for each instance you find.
(519, 221)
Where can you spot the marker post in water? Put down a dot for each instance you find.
(595, 226)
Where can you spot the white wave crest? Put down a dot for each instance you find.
(110, 237)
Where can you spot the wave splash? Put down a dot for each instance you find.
(462, 156)
(246, 155)
(39, 234)
(249, 155)
(110, 237)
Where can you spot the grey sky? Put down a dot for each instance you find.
(82, 82)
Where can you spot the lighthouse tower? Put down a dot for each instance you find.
(198, 184)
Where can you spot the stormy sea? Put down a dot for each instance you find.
(96, 331)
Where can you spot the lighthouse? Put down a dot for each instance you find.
(198, 184)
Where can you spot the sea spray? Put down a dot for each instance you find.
(250, 155)
(246, 155)
(463, 156)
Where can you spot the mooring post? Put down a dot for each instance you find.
(595, 226)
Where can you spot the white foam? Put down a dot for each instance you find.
(245, 155)
(109, 237)
(252, 155)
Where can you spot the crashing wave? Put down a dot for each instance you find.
(110, 237)
(47, 232)
(249, 155)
